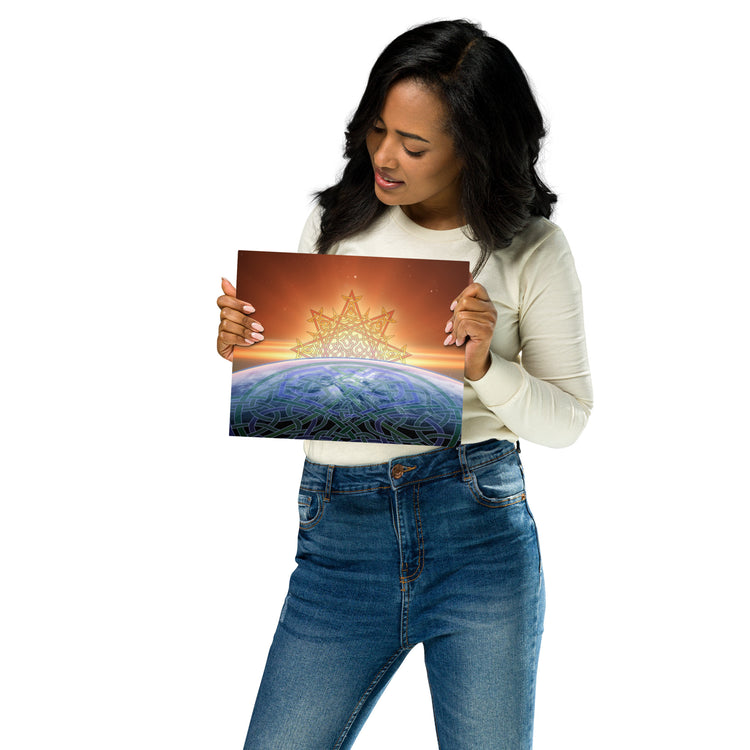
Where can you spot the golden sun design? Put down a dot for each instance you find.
(349, 333)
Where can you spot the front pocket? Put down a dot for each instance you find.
(498, 483)
(310, 505)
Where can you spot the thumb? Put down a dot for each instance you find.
(227, 288)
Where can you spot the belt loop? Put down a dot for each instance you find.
(329, 483)
(466, 473)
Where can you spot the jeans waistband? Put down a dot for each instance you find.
(404, 470)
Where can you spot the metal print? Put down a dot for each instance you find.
(353, 349)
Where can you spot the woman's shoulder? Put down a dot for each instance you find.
(536, 253)
(540, 243)
(544, 256)
(310, 231)
(540, 235)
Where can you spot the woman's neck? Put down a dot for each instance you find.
(435, 218)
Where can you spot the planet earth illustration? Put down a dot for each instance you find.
(359, 400)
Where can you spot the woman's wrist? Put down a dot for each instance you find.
(477, 372)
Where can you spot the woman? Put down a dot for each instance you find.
(438, 546)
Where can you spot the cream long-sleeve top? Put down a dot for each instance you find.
(538, 387)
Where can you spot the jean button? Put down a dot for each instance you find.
(397, 471)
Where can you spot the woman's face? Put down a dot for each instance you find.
(414, 159)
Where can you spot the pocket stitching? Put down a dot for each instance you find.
(501, 502)
(311, 522)
(504, 502)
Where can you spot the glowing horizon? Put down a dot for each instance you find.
(292, 291)
(444, 364)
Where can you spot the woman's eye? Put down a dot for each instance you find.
(380, 129)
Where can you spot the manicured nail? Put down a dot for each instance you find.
(449, 326)
(257, 326)
(258, 336)
(453, 304)
(448, 340)
(249, 341)
(249, 308)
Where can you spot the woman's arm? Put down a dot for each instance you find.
(547, 398)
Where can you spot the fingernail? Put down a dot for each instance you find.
(257, 326)
(249, 308)
(258, 336)
(449, 326)
(249, 341)
(453, 304)
(448, 340)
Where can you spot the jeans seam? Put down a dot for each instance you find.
(420, 558)
(362, 491)
(536, 537)
(505, 502)
(373, 684)
(493, 459)
(431, 478)
(405, 605)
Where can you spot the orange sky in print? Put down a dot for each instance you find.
(285, 287)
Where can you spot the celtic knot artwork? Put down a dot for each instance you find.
(345, 399)
(329, 368)
(351, 334)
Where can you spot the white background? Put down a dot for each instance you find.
(144, 554)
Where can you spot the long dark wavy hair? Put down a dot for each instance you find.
(493, 119)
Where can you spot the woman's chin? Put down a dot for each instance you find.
(388, 197)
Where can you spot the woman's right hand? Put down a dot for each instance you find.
(236, 327)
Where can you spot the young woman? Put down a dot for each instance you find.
(399, 547)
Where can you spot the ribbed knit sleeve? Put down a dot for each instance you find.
(547, 396)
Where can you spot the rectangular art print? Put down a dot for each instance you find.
(353, 349)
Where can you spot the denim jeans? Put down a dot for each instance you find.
(438, 548)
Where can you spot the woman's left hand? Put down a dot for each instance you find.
(473, 323)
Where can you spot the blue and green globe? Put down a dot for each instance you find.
(359, 400)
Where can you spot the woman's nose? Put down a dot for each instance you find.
(385, 154)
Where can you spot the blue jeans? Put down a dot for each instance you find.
(438, 548)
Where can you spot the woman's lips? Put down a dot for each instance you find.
(385, 182)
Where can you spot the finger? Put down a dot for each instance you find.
(229, 298)
(470, 312)
(474, 319)
(233, 303)
(227, 341)
(469, 322)
(250, 335)
(473, 304)
(476, 290)
(474, 325)
(237, 316)
(473, 290)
